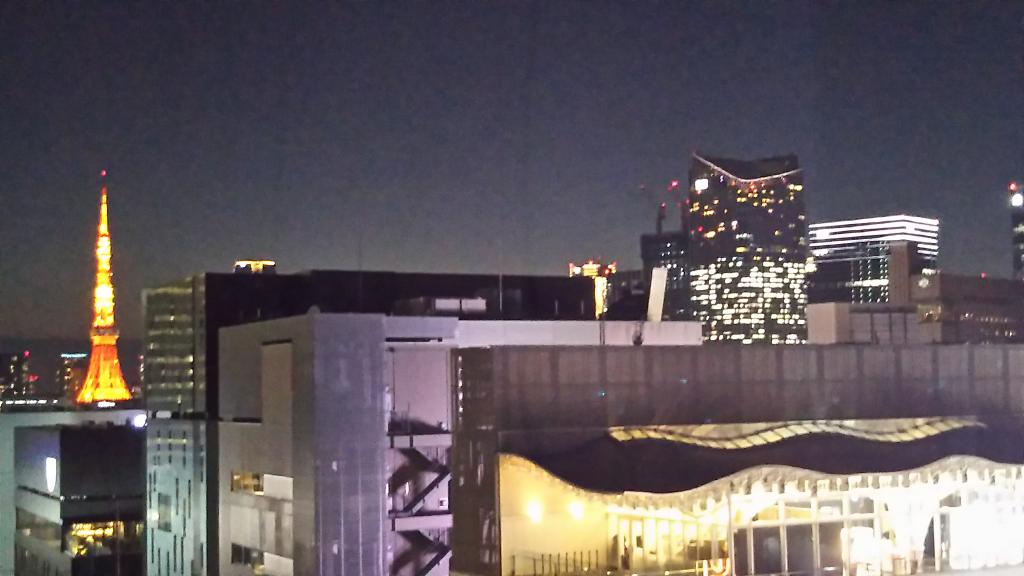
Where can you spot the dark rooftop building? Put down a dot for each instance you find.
(182, 318)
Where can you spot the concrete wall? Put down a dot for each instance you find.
(321, 398)
(828, 323)
(348, 405)
(262, 522)
(572, 333)
(534, 388)
(8, 423)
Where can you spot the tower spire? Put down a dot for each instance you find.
(104, 381)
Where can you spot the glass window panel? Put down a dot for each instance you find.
(800, 548)
(830, 536)
(767, 550)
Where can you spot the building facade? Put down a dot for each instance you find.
(626, 288)
(970, 308)
(1015, 197)
(941, 308)
(748, 243)
(14, 375)
(870, 260)
(71, 373)
(669, 250)
(10, 423)
(291, 387)
(737, 460)
(181, 353)
(79, 501)
(885, 324)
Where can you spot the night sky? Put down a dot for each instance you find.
(473, 136)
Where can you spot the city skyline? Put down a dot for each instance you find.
(457, 146)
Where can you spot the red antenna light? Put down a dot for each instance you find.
(103, 173)
(1013, 186)
(984, 275)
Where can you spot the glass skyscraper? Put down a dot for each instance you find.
(748, 249)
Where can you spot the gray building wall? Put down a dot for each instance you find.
(304, 397)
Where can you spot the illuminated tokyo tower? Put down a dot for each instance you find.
(104, 381)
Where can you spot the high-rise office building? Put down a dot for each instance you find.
(748, 249)
(14, 374)
(1016, 198)
(669, 250)
(182, 320)
(71, 374)
(870, 260)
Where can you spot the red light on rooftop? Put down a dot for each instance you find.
(25, 354)
(984, 275)
(103, 173)
(1013, 186)
(675, 184)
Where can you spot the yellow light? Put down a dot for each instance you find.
(576, 510)
(255, 265)
(599, 272)
(600, 295)
(535, 511)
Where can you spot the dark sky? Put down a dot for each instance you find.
(473, 136)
